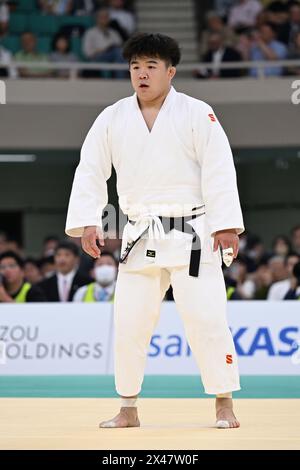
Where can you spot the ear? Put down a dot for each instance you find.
(172, 72)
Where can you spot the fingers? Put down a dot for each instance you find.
(216, 242)
(227, 241)
(89, 245)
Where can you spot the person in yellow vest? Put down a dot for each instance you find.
(231, 291)
(103, 289)
(13, 285)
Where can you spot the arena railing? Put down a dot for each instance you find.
(76, 67)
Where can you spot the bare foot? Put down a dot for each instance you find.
(225, 414)
(127, 418)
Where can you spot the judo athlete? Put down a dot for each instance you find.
(176, 183)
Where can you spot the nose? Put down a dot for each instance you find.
(143, 74)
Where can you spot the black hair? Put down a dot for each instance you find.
(46, 260)
(108, 253)
(14, 255)
(271, 25)
(56, 38)
(70, 246)
(50, 238)
(31, 261)
(152, 45)
(296, 271)
(295, 229)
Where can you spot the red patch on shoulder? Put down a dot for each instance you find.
(212, 117)
(229, 359)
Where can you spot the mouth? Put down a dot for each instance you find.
(143, 85)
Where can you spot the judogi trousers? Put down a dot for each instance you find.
(201, 302)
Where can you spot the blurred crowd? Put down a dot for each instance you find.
(64, 273)
(250, 30)
(234, 31)
(112, 25)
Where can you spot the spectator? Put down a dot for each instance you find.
(294, 54)
(30, 54)
(294, 292)
(47, 266)
(121, 20)
(236, 275)
(15, 246)
(296, 239)
(103, 44)
(215, 24)
(66, 280)
(6, 69)
(231, 290)
(266, 47)
(113, 243)
(56, 7)
(3, 241)
(13, 287)
(105, 273)
(292, 26)
(86, 262)
(243, 15)
(244, 45)
(279, 289)
(84, 7)
(217, 54)
(61, 53)
(4, 18)
(254, 252)
(50, 244)
(277, 266)
(223, 7)
(263, 281)
(281, 245)
(32, 271)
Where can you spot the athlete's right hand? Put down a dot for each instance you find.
(89, 240)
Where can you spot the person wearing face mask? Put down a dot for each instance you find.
(103, 289)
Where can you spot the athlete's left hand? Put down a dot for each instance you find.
(227, 239)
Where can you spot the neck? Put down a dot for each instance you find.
(156, 102)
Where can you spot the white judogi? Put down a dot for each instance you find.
(184, 162)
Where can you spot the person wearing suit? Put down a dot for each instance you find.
(62, 286)
(217, 54)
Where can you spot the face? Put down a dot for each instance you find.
(215, 42)
(3, 243)
(266, 33)
(297, 41)
(65, 261)
(291, 261)
(47, 269)
(49, 247)
(102, 18)
(278, 270)
(296, 239)
(281, 247)
(105, 261)
(215, 23)
(295, 14)
(150, 77)
(62, 45)
(32, 273)
(10, 269)
(28, 42)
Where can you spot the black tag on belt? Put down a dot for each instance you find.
(150, 253)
